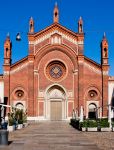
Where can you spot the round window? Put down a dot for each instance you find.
(55, 70)
(92, 93)
(19, 93)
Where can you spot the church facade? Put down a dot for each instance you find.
(56, 78)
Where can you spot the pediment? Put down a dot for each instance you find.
(56, 32)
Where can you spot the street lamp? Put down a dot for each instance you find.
(18, 37)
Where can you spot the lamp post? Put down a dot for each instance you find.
(109, 116)
(98, 121)
(0, 118)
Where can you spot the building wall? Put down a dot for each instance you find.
(110, 89)
(2, 91)
(30, 82)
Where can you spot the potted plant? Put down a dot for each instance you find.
(11, 122)
(25, 119)
(19, 118)
(104, 124)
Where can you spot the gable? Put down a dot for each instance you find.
(55, 34)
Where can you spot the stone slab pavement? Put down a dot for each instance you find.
(49, 135)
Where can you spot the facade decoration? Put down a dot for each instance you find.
(56, 78)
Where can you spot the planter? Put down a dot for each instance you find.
(107, 129)
(11, 128)
(90, 129)
(19, 126)
(25, 125)
(83, 129)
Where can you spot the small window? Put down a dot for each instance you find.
(55, 14)
(105, 52)
(19, 93)
(92, 94)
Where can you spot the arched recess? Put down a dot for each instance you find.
(92, 96)
(92, 111)
(63, 48)
(55, 103)
(19, 105)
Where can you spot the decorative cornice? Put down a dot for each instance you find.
(48, 35)
(19, 68)
(92, 68)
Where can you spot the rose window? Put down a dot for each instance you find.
(55, 70)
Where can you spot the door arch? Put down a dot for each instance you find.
(55, 103)
(92, 111)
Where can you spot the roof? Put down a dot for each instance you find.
(20, 61)
(92, 61)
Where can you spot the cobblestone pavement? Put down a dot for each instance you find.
(104, 140)
(51, 136)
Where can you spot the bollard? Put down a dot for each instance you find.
(3, 137)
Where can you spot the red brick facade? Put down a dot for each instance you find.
(71, 78)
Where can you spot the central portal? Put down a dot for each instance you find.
(56, 110)
(56, 103)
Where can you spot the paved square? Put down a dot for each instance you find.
(49, 136)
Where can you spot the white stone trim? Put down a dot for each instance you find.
(69, 38)
(48, 101)
(2, 92)
(35, 72)
(18, 68)
(105, 72)
(88, 103)
(80, 42)
(92, 68)
(6, 73)
(42, 118)
(70, 94)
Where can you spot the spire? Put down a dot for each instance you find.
(8, 35)
(104, 36)
(31, 25)
(56, 14)
(104, 50)
(80, 25)
(7, 50)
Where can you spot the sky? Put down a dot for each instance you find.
(98, 17)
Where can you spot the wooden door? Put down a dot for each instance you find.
(56, 110)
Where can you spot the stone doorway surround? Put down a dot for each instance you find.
(56, 93)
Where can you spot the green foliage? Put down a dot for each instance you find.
(88, 123)
(24, 117)
(11, 120)
(17, 116)
(74, 123)
(94, 123)
(104, 122)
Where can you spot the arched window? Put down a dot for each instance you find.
(92, 111)
(20, 105)
(105, 52)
